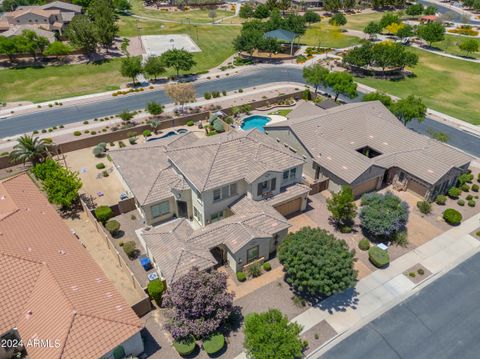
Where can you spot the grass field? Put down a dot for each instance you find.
(50, 83)
(446, 85)
(195, 15)
(327, 36)
(450, 45)
(359, 21)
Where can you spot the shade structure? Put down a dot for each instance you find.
(281, 35)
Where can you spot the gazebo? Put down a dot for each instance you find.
(282, 35)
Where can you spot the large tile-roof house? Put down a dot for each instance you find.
(220, 191)
(365, 146)
(52, 290)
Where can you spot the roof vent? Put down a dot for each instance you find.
(2, 198)
(345, 167)
(74, 288)
(62, 252)
(329, 158)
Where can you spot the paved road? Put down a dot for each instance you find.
(259, 76)
(441, 321)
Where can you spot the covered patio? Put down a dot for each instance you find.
(285, 37)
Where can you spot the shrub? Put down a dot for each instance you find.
(254, 270)
(121, 144)
(207, 95)
(461, 202)
(130, 249)
(424, 207)
(214, 343)
(77, 133)
(112, 226)
(465, 188)
(475, 187)
(190, 123)
(224, 93)
(441, 199)
(147, 133)
(267, 266)
(452, 216)
(98, 151)
(100, 166)
(420, 271)
(412, 274)
(469, 197)
(378, 257)
(185, 347)
(454, 192)
(155, 290)
(464, 178)
(105, 173)
(471, 203)
(364, 244)
(132, 140)
(241, 277)
(103, 213)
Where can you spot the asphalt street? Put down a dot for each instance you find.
(260, 76)
(442, 321)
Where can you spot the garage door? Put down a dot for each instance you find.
(368, 186)
(290, 207)
(319, 187)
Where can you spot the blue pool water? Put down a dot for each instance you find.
(255, 121)
(169, 134)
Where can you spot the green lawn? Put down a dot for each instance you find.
(195, 15)
(450, 45)
(327, 36)
(446, 85)
(359, 21)
(281, 112)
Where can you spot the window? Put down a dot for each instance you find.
(285, 175)
(196, 214)
(273, 184)
(160, 209)
(224, 192)
(293, 172)
(216, 216)
(252, 254)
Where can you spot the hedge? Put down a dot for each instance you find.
(112, 226)
(155, 290)
(378, 257)
(214, 344)
(241, 277)
(103, 213)
(185, 347)
(364, 244)
(452, 216)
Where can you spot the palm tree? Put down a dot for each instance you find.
(154, 124)
(29, 149)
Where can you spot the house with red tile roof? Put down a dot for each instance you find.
(54, 297)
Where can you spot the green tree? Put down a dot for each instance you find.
(372, 29)
(311, 17)
(31, 43)
(154, 108)
(124, 46)
(261, 12)
(469, 46)
(81, 32)
(284, 5)
(58, 48)
(342, 207)
(122, 5)
(246, 11)
(248, 41)
(332, 5)
(271, 4)
(131, 67)
(212, 14)
(317, 263)
(154, 66)
(378, 96)
(29, 149)
(101, 13)
(8, 47)
(62, 186)
(430, 10)
(126, 116)
(315, 75)
(409, 108)
(338, 20)
(178, 59)
(341, 83)
(349, 4)
(388, 19)
(405, 31)
(270, 335)
(414, 10)
(431, 32)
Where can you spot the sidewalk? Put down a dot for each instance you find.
(383, 289)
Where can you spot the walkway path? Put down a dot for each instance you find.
(217, 22)
(383, 289)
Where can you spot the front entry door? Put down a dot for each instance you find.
(182, 209)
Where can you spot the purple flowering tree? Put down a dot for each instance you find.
(199, 304)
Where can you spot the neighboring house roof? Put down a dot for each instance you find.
(18, 30)
(226, 158)
(327, 104)
(51, 287)
(207, 163)
(68, 16)
(332, 137)
(303, 109)
(62, 6)
(32, 10)
(177, 248)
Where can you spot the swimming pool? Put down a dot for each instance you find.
(255, 121)
(169, 134)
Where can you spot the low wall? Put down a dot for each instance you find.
(144, 305)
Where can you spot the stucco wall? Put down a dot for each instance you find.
(211, 207)
(147, 210)
(268, 176)
(239, 259)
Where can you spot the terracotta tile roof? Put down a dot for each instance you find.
(51, 288)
